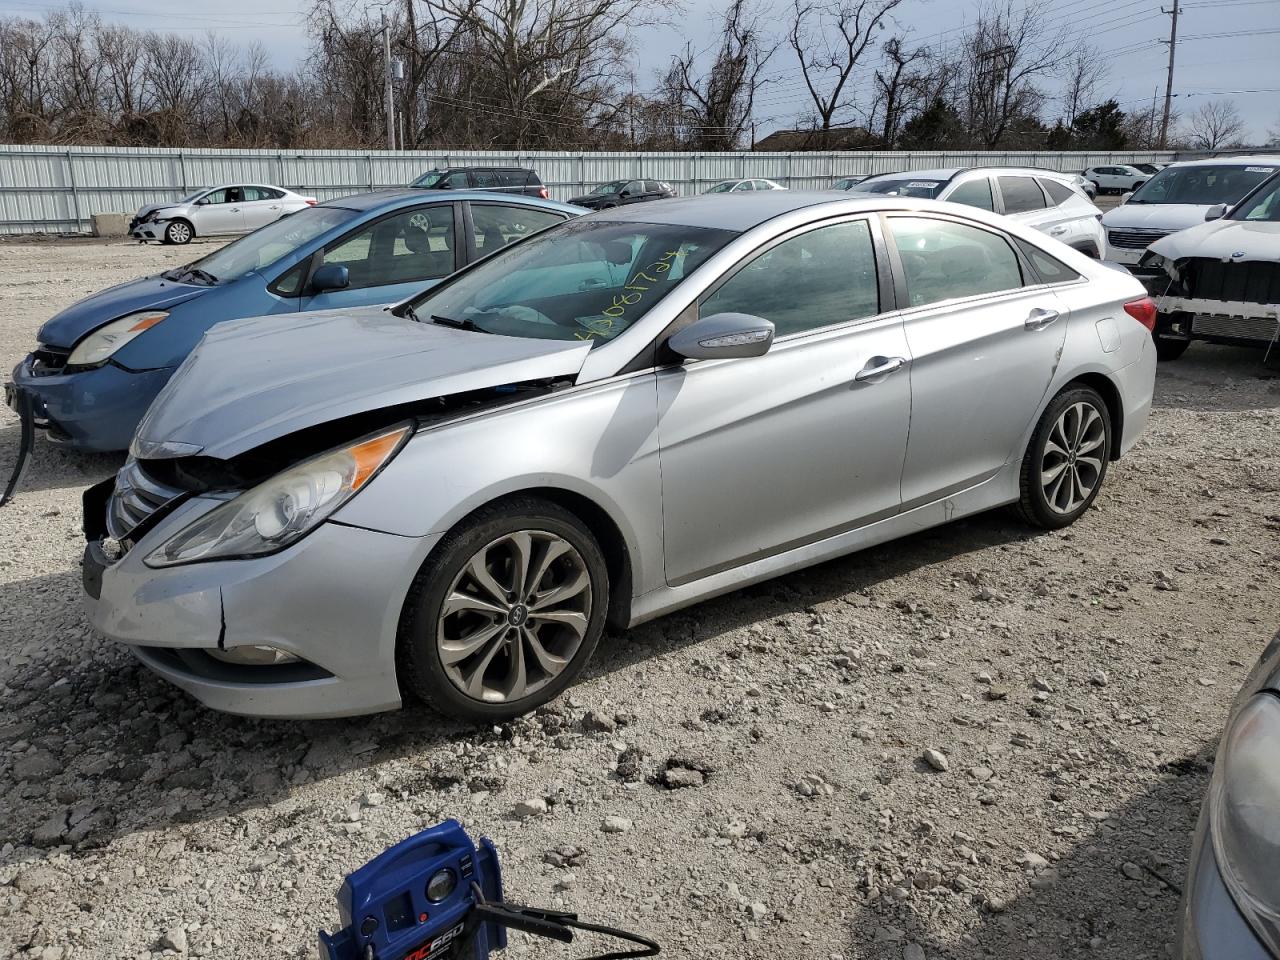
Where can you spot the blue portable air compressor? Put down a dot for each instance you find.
(438, 896)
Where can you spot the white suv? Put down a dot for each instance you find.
(1044, 199)
(1116, 176)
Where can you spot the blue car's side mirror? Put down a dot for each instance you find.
(332, 276)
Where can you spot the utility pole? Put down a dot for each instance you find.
(387, 88)
(1151, 124)
(1168, 86)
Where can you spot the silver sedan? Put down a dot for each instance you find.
(603, 422)
(216, 211)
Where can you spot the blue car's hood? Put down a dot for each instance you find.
(65, 329)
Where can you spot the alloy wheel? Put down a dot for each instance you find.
(1071, 464)
(514, 616)
(179, 232)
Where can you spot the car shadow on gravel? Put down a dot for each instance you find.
(115, 750)
(52, 467)
(1112, 893)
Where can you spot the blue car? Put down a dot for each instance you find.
(100, 362)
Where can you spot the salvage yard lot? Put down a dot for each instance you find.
(1075, 683)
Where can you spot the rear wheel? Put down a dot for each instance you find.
(1066, 460)
(1170, 349)
(178, 231)
(506, 613)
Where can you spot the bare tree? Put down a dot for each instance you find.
(714, 110)
(1216, 124)
(829, 41)
(1082, 73)
(901, 89)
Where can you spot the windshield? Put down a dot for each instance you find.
(1263, 206)
(428, 179)
(583, 280)
(614, 187)
(901, 187)
(724, 187)
(1202, 185)
(268, 244)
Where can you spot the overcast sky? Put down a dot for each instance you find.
(1226, 49)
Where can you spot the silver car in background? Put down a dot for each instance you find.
(216, 211)
(606, 421)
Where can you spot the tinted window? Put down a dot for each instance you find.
(975, 193)
(498, 224)
(1058, 192)
(584, 280)
(413, 245)
(511, 178)
(1049, 269)
(484, 179)
(945, 260)
(651, 186)
(1204, 185)
(835, 266)
(1021, 194)
(634, 188)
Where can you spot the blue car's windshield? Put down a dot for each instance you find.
(584, 280)
(268, 244)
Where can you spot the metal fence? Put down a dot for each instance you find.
(56, 190)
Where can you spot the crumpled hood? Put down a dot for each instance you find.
(65, 329)
(150, 208)
(1223, 240)
(1154, 216)
(251, 381)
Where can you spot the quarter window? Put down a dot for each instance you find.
(974, 193)
(1058, 192)
(943, 260)
(498, 224)
(1021, 194)
(417, 244)
(834, 266)
(1051, 269)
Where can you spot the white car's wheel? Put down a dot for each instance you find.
(178, 231)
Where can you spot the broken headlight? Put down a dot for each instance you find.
(95, 349)
(1245, 814)
(284, 509)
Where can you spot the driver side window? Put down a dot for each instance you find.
(835, 266)
(417, 244)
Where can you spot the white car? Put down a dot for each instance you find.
(1048, 201)
(1220, 281)
(743, 186)
(216, 211)
(1177, 198)
(1118, 177)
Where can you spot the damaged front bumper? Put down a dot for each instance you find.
(332, 600)
(94, 409)
(1217, 321)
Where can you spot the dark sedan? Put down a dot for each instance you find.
(1231, 905)
(618, 192)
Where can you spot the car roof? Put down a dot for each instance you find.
(406, 196)
(946, 173)
(1270, 159)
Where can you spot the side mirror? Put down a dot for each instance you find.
(624, 193)
(1216, 212)
(202, 201)
(1124, 197)
(332, 276)
(723, 336)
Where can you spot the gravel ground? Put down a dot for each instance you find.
(980, 741)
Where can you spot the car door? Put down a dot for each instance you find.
(260, 207)
(984, 337)
(392, 257)
(219, 212)
(761, 455)
(1069, 219)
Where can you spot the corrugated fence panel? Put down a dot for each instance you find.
(57, 189)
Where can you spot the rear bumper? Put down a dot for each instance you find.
(1210, 926)
(95, 410)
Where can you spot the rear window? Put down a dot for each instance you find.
(1058, 192)
(1021, 194)
(512, 178)
(926, 187)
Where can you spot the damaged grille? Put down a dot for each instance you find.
(1249, 281)
(135, 498)
(1134, 239)
(46, 361)
(1240, 328)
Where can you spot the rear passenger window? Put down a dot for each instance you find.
(484, 179)
(975, 193)
(1050, 269)
(946, 261)
(1058, 192)
(1021, 194)
(498, 224)
(835, 266)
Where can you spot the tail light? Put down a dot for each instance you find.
(311, 201)
(1144, 311)
(542, 192)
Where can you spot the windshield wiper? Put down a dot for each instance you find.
(460, 324)
(203, 275)
(187, 273)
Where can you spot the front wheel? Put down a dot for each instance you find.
(178, 231)
(1066, 460)
(505, 614)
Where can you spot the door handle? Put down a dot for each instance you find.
(1039, 318)
(878, 367)
(1057, 231)
(235, 209)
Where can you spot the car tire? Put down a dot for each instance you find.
(1071, 445)
(1170, 349)
(179, 232)
(499, 645)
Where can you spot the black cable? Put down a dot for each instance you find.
(26, 417)
(555, 925)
